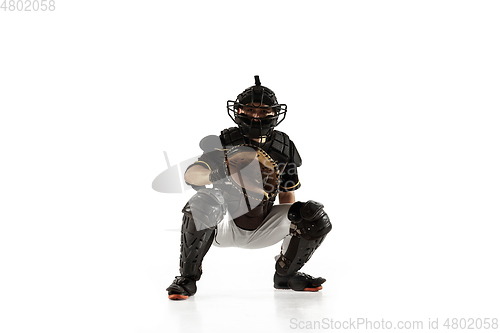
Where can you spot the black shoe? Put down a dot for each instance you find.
(181, 288)
(298, 282)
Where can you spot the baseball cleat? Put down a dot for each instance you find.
(181, 288)
(298, 282)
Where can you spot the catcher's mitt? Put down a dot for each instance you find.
(253, 172)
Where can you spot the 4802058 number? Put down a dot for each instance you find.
(28, 5)
(471, 323)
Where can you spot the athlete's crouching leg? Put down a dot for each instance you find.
(201, 215)
(309, 227)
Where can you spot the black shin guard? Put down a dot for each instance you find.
(309, 227)
(299, 251)
(194, 246)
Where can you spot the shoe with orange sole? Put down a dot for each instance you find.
(298, 282)
(182, 288)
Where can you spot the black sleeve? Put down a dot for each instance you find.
(213, 154)
(206, 160)
(290, 176)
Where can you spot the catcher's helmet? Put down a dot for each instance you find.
(256, 96)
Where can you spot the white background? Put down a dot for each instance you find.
(393, 106)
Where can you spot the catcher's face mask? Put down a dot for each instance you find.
(256, 111)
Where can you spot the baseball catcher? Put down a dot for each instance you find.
(237, 180)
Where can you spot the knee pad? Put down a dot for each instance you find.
(308, 220)
(206, 208)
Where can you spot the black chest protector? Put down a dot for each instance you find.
(279, 147)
